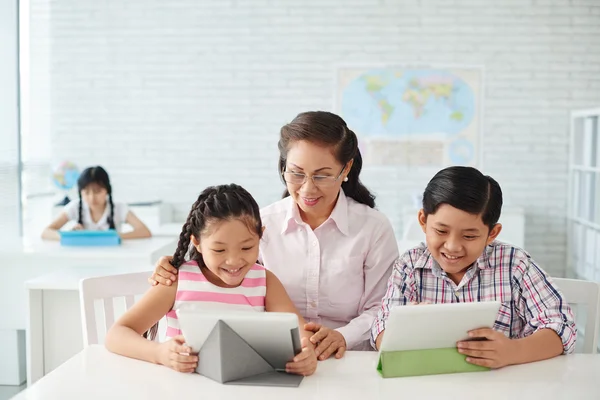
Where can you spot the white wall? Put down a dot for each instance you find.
(174, 96)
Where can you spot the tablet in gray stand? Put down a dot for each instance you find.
(226, 358)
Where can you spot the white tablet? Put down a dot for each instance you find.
(435, 326)
(275, 336)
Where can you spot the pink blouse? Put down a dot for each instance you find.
(336, 275)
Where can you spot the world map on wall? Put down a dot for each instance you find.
(412, 103)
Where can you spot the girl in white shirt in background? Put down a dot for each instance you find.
(331, 249)
(95, 209)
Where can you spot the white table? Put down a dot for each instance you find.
(97, 374)
(29, 258)
(54, 331)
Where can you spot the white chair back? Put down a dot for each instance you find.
(579, 292)
(107, 289)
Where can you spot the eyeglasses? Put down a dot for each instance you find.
(297, 178)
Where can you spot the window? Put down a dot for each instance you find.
(10, 189)
(36, 151)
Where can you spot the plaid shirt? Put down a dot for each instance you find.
(530, 301)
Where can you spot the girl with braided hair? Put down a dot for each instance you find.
(216, 260)
(95, 209)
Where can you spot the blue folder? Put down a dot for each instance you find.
(90, 238)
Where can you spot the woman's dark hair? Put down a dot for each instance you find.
(468, 190)
(98, 176)
(327, 129)
(215, 203)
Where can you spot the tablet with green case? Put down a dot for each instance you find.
(421, 339)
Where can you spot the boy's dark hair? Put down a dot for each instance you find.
(468, 190)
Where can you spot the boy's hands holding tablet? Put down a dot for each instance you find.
(494, 350)
(489, 348)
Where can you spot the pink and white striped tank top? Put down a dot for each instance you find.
(195, 291)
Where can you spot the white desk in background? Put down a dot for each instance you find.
(54, 318)
(26, 259)
(97, 374)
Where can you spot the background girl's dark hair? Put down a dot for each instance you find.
(98, 176)
(215, 203)
(327, 129)
(468, 190)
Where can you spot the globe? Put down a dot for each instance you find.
(65, 175)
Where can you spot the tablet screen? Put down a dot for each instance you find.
(432, 326)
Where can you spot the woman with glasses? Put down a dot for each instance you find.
(324, 240)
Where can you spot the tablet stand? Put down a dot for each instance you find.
(226, 358)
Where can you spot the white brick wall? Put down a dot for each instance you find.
(174, 96)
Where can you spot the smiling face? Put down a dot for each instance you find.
(456, 238)
(306, 158)
(229, 249)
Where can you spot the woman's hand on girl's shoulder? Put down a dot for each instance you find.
(164, 273)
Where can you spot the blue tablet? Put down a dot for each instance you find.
(90, 238)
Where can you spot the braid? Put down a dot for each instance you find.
(178, 259)
(150, 334)
(80, 218)
(111, 217)
(183, 245)
(192, 226)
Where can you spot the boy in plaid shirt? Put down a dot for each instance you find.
(462, 262)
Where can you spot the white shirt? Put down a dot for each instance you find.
(336, 275)
(120, 215)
